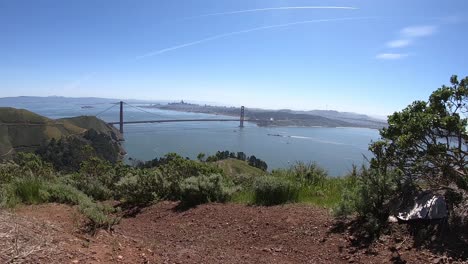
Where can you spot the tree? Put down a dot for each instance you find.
(258, 163)
(241, 156)
(201, 156)
(428, 140)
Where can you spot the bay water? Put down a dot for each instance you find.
(335, 149)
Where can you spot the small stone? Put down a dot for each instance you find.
(278, 249)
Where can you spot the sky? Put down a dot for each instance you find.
(365, 56)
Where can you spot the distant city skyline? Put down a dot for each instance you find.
(370, 57)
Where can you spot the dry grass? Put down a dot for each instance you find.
(24, 240)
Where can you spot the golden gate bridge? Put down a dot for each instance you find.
(122, 122)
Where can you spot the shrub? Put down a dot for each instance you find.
(91, 186)
(33, 164)
(270, 190)
(308, 173)
(142, 187)
(28, 190)
(369, 194)
(347, 203)
(66, 154)
(204, 189)
(97, 178)
(96, 213)
(244, 180)
(9, 171)
(175, 169)
(23, 181)
(374, 192)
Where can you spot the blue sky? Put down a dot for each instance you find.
(370, 56)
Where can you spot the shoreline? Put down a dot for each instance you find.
(256, 122)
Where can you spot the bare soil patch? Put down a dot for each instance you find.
(212, 233)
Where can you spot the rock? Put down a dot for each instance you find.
(278, 249)
(424, 206)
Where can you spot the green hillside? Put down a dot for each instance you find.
(13, 115)
(92, 122)
(23, 130)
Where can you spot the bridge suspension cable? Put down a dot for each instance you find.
(107, 109)
(143, 110)
(165, 120)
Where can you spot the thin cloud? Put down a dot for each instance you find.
(399, 43)
(161, 51)
(391, 56)
(408, 35)
(274, 8)
(418, 31)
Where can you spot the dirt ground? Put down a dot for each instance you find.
(213, 233)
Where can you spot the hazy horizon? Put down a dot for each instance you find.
(150, 101)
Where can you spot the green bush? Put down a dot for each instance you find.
(270, 190)
(369, 194)
(91, 186)
(176, 169)
(67, 154)
(204, 189)
(32, 164)
(305, 174)
(374, 192)
(98, 214)
(308, 173)
(244, 180)
(347, 202)
(22, 181)
(142, 187)
(27, 190)
(9, 171)
(327, 194)
(98, 178)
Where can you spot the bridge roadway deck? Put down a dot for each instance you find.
(175, 120)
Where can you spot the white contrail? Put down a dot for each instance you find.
(275, 8)
(161, 51)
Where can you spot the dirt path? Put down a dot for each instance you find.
(214, 233)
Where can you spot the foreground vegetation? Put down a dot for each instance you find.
(424, 148)
(30, 180)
